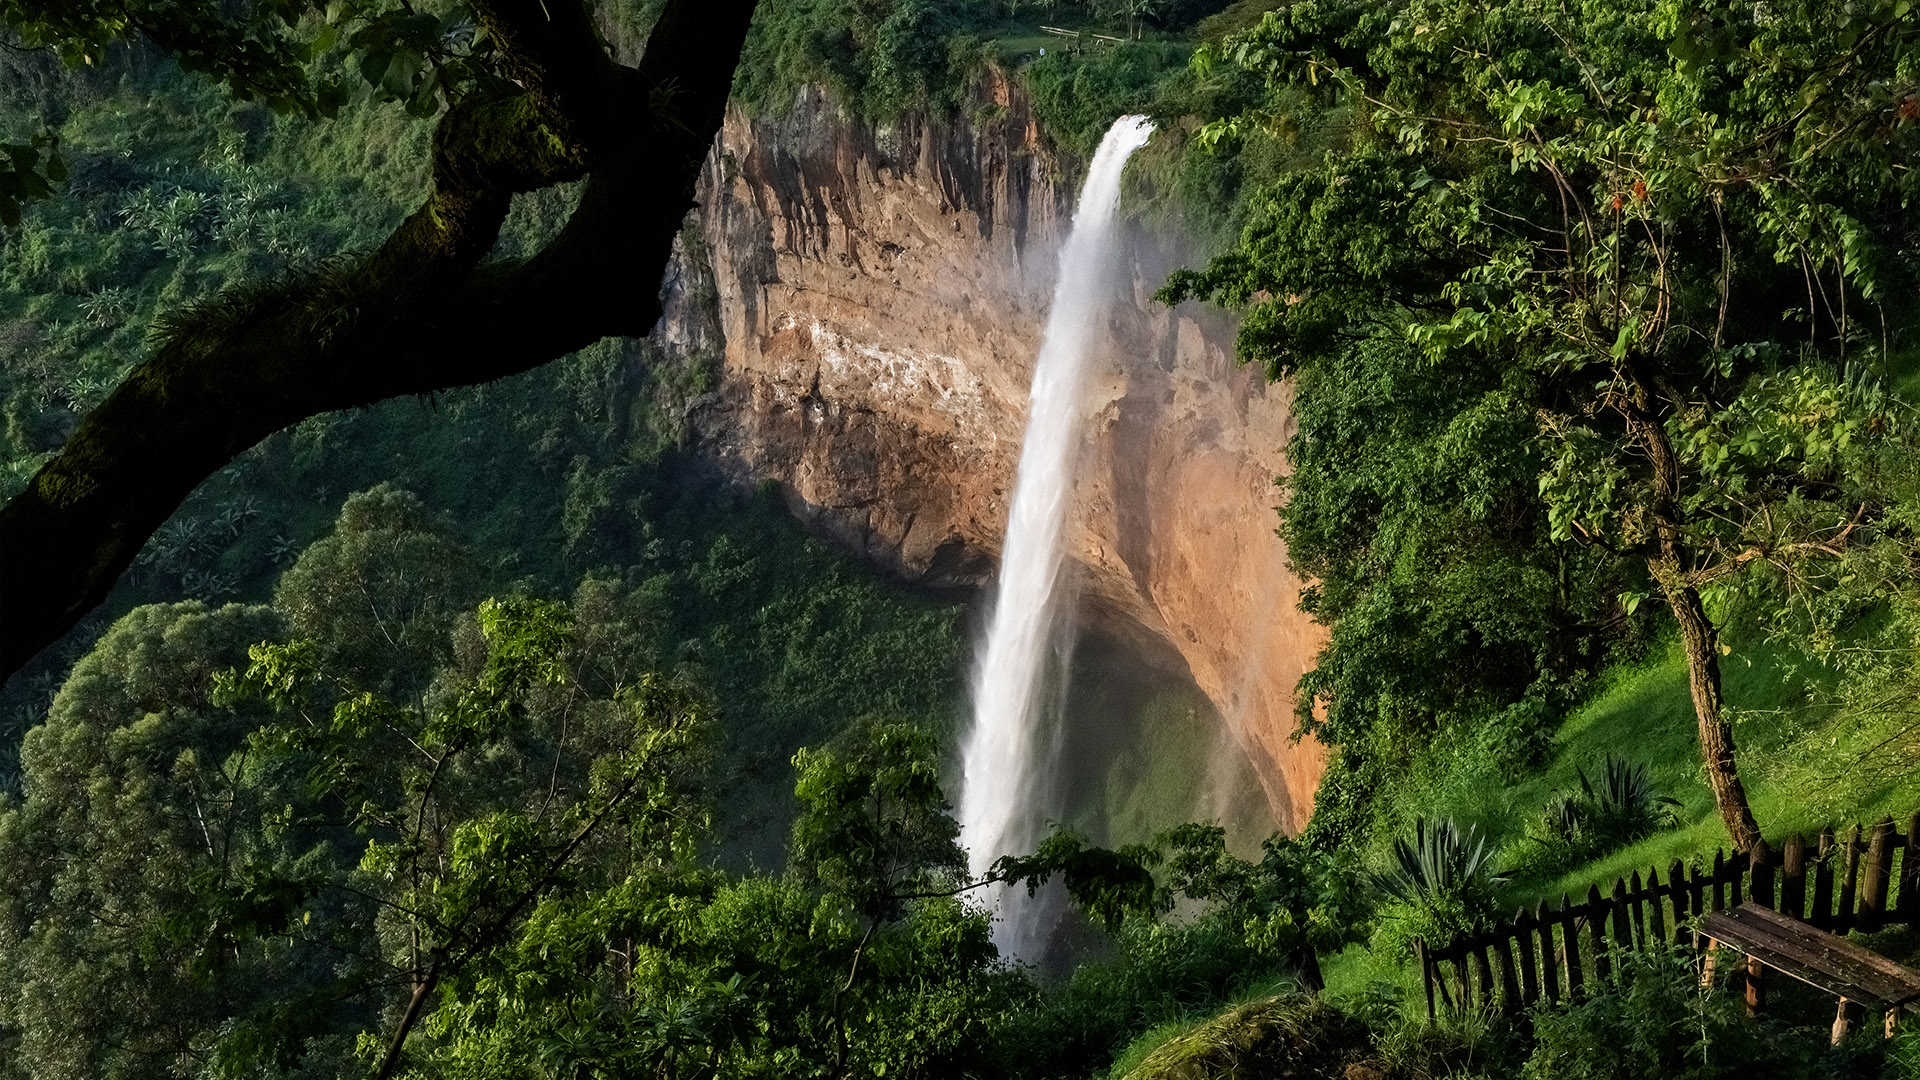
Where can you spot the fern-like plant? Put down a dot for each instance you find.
(1439, 884)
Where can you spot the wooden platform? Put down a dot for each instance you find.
(1859, 977)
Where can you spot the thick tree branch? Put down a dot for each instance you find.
(422, 313)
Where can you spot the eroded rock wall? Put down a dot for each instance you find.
(882, 293)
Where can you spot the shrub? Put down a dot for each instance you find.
(1657, 1020)
(1600, 817)
(1440, 884)
(1443, 859)
(1076, 95)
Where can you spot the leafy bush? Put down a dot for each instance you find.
(1659, 1021)
(881, 59)
(1410, 509)
(1600, 817)
(1077, 95)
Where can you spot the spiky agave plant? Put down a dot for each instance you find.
(1565, 817)
(1623, 806)
(1443, 861)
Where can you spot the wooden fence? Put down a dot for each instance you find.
(1555, 952)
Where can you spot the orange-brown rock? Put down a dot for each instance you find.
(882, 292)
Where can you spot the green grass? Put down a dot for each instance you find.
(1153, 1039)
(1360, 971)
(1643, 712)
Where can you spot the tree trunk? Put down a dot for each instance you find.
(1668, 564)
(1702, 648)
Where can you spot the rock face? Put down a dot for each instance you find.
(882, 293)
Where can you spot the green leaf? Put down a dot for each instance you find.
(1624, 339)
(373, 66)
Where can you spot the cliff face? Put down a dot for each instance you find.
(882, 293)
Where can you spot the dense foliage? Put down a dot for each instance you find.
(567, 478)
(1629, 278)
(246, 845)
(1582, 309)
(269, 858)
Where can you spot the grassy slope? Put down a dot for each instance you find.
(1642, 712)
(1801, 775)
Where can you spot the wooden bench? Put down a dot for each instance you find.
(1859, 977)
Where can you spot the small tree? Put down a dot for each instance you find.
(874, 833)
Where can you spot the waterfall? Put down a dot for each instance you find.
(1007, 758)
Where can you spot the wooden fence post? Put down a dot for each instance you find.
(1483, 971)
(1850, 871)
(1793, 877)
(1570, 947)
(1677, 884)
(1426, 973)
(1597, 932)
(1657, 919)
(1509, 982)
(1719, 881)
(1822, 913)
(1909, 897)
(1622, 922)
(1523, 925)
(1760, 883)
(1549, 969)
(1636, 900)
(1873, 885)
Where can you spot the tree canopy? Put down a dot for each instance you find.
(529, 95)
(1635, 270)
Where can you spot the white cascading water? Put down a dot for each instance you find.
(1007, 757)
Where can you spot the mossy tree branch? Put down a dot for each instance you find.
(423, 312)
